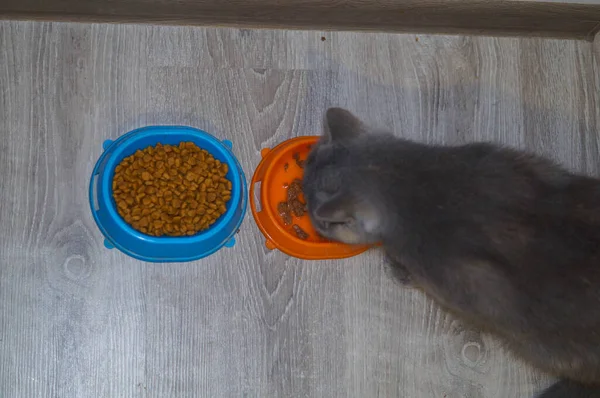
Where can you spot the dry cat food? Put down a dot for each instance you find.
(296, 206)
(293, 207)
(300, 232)
(284, 212)
(299, 162)
(173, 190)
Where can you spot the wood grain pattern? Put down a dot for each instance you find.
(78, 320)
(557, 18)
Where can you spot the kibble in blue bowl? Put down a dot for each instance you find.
(168, 193)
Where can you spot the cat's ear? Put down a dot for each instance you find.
(344, 209)
(342, 125)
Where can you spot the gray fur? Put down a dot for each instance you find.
(504, 239)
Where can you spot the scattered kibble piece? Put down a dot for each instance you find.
(300, 233)
(299, 162)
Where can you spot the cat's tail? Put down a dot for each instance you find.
(571, 389)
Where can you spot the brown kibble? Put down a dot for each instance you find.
(294, 206)
(294, 190)
(297, 207)
(175, 190)
(191, 176)
(300, 233)
(284, 212)
(299, 162)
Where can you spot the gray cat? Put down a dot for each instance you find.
(505, 240)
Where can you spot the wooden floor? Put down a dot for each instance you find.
(78, 320)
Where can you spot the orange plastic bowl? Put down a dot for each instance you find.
(276, 170)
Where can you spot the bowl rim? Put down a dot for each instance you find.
(121, 144)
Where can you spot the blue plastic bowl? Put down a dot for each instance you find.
(119, 234)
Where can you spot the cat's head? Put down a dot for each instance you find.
(340, 182)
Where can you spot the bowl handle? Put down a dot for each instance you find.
(255, 197)
(257, 181)
(96, 207)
